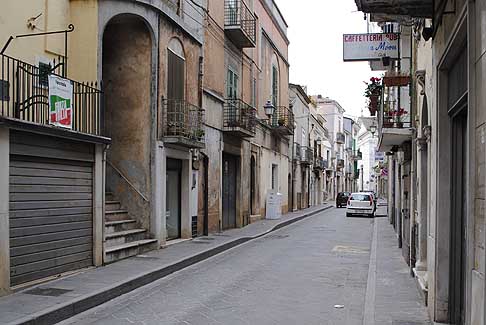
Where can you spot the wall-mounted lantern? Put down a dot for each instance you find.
(269, 109)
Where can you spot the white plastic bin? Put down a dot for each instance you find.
(273, 206)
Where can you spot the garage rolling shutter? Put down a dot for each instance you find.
(51, 188)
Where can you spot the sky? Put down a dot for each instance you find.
(316, 52)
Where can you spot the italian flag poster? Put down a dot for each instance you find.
(60, 102)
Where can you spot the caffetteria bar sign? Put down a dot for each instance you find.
(370, 47)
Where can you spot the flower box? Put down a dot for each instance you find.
(396, 81)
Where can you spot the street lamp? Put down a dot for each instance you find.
(269, 109)
(373, 129)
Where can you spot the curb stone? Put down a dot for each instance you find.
(64, 311)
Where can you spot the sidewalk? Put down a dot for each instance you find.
(60, 299)
(392, 297)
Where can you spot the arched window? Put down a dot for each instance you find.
(175, 70)
(275, 80)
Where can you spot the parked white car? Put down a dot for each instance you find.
(360, 204)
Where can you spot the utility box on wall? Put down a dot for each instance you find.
(273, 206)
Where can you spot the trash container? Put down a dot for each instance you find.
(273, 206)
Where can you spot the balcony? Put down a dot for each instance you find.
(320, 164)
(239, 23)
(411, 8)
(297, 152)
(239, 118)
(358, 155)
(394, 126)
(340, 138)
(340, 164)
(282, 121)
(24, 96)
(307, 156)
(182, 124)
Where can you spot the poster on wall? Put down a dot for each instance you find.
(369, 47)
(60, 102)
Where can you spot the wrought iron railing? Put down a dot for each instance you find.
(340, 163)
(340, 138)
(239, 115)
(320, 163)
(394, 117)
(181, 119)
(24, 95)
(237, 14)
(307, 155)
(297, 151)
(283, 118)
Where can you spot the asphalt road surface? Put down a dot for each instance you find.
(312, 272)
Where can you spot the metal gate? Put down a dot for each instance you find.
(229, 191)
(51, 210)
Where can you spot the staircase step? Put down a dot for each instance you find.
(112, 205)
(123, 237)
(109, 196)
(122, 251)
(119, 225)
(116, 215)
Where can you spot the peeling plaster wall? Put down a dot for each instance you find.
(127, 49)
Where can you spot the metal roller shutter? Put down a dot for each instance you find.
(51, 214)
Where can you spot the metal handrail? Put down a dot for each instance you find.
(182, 119)
(24, 95)
(238, 114)
(128, 181)
(238, 14)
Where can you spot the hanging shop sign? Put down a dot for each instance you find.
(60, 102)
(369, 47)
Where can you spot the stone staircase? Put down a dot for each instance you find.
(122, 237)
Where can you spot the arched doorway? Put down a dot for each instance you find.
(127, 77)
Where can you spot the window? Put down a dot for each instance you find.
(275, 86)
(360, 197)
(253, 92)
(232, 84)
(274, 177)
(176, 70)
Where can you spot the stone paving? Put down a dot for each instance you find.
(91, 287)
(324, 269)
(313, 272)
(293, 276)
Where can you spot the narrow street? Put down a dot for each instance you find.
(312, 272)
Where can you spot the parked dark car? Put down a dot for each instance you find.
(342, 199)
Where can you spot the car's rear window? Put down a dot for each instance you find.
(360, 197)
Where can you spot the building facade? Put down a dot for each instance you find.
(435, 175)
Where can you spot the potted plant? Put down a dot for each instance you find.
(373, 93)
(281, 121)
(199, 133)
(399, 114)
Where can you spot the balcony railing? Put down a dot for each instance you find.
(239, 23)
(307, 155)
(340, 164)
(24, 95)
(297, 152)
(394, 117)
(340, 138)
(239, 118)
(182, 123)
(320, 163)
(283, 120)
